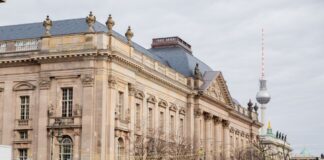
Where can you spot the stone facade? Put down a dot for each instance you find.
(93, 93)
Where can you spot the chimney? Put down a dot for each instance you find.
(171, 42)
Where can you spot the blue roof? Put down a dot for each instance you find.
(175, 57)
(180, 60)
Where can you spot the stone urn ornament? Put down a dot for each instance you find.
(91, 20)
(129, 34)
(110, 24)
(47, 24)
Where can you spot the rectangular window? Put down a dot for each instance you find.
(172, 124)
(150, 118)
(23, 154)
(24, 107)
(181, 127)
(67, 102)
(23, 134)
(138, 115)
(120, 105)
(161, 126)
(3, 47)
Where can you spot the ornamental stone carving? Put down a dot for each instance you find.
(129, 34)
(47, 24)
(215, 91)
(197, 112)
(87, 80)
(163, 103)
(44, 83)
(151, 99)
(217, 119)
(22, 86)
(225, 123)
(91, 20)
(51, 110)
(232, 130)
(77, 110)
(110, 24)
(173, 107)
(112, 82)
(1, 89)
(131, 89)
(208, 116)
(182, 111)
(139, 94)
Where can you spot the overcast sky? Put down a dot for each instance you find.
(226, 34)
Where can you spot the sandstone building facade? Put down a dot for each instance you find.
(75, 89)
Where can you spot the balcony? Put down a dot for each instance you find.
(23, 124)
(65, 122)
(20, 45)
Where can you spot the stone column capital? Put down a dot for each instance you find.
(197, 112)
(225, 123)
(44, 83)
(217, 119)
(208, 116)
(112, 82)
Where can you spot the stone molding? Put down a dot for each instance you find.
(23, 86)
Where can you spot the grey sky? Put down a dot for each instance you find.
(227, 36)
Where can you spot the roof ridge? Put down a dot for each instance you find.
(33, 23)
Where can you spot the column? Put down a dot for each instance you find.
(76, 145)
(190, 118)
(197, 141)
(131, 117)
(218, 137)
(42, 119)
(87, 134)
(226, 139)
(110, 141)
(208, 132)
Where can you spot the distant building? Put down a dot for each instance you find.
(306, 155)
(276, 144)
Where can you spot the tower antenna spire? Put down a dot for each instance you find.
(262, 51)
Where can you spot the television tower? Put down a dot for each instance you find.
(263, 97)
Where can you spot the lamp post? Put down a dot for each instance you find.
(60, 138)
(52, 142)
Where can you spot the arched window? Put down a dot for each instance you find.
(66, 149)
(121, 149)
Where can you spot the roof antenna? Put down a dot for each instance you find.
(262, 59)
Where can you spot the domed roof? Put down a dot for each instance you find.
(305, 152)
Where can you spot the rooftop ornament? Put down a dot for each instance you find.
(129, 34)
(256, 107)
(91, 20)
(110, 24)
(197, 73)
(47, 24)
(250, 106)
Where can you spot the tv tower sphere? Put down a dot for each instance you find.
(263, 96)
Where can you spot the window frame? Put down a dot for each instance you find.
(24, 107)
(62, 148)
(23, 154)
(67, 101)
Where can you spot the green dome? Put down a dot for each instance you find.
(305, 152)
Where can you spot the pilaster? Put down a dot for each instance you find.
(110, 142)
